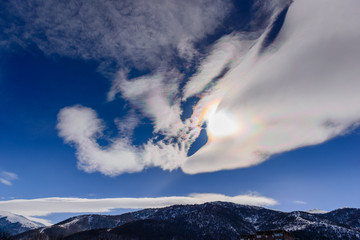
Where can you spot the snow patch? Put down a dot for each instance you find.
(316, 211)
(13, 218)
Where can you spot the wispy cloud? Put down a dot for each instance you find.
(7, 177)
(139, 32)
(46, 206)
(300, 202)
(154, 95)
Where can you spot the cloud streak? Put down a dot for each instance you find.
(46, 206)
(7, 178)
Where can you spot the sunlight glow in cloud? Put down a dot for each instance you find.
(300, 93)
(46, 206)
(222, 124)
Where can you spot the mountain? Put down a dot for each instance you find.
(346, 217)
(15, 224)
(216, 220)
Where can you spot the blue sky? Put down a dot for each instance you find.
(113, 106)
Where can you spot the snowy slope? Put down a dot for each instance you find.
(15, 224)
(316, 211)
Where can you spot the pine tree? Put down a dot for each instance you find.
(5, 236)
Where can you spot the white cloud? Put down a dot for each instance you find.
(6, 178)
(46, 206)
(302, 91)
(81, 126)
(6, 182)
(299, 202)
(168, 156)
(127, 124)
(154, 95)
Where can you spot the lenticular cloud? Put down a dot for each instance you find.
(291, 84)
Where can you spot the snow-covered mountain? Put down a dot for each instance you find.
(15, 224)
(217, 220)
(319, 211)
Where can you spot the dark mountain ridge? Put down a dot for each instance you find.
(215, 220)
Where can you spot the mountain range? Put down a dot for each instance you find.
(215, 220)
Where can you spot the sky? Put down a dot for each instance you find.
(112, 106)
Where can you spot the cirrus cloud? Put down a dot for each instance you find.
(138, 33)
(6, 177)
